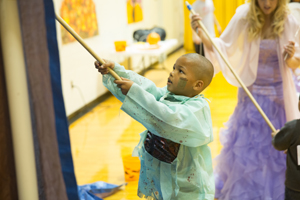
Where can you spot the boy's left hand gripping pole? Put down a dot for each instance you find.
(80, 40)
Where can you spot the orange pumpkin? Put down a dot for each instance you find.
(153, 38)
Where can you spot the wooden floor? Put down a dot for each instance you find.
(102, 137)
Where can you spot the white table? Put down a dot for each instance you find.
(159, 53)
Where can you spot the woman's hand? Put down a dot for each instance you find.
(103, 68)
(197, 28)
(195, 25)
(125, 85)
(289, 50)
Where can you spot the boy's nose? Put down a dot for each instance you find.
(171, 73)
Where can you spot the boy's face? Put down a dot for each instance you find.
(182, 79)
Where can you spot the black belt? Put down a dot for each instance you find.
(162, 149)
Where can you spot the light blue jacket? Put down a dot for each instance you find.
(181, 119)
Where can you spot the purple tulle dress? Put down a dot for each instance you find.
(249, 168)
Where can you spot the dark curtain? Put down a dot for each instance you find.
(61, 121)
(56, 179)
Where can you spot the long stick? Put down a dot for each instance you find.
(234, 73)
(80, 40)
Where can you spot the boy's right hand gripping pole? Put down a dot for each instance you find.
(233, 72)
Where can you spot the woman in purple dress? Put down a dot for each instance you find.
(255, 42)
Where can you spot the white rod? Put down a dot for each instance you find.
(18, 100)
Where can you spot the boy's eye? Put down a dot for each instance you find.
(180, 71)
(173, 67)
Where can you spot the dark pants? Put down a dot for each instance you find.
(199, 48)
(291, 194)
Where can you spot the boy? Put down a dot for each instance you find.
(175, 159)
(288, 138)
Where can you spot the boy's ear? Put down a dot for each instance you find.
(199, 84)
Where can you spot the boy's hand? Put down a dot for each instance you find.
(103, 68)
(274, 133)
(125, 85)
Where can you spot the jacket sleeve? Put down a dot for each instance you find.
(146, 84)
(283, 139)
(188, 124)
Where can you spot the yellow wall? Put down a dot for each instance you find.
(224, 10)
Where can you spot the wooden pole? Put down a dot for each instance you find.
(80, 40)
(234, 73)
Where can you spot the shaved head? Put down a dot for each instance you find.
(201, 67)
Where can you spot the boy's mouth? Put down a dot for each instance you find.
(169, 81)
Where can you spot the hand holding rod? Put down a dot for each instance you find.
(286, 55)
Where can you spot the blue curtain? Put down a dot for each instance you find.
(59, 108)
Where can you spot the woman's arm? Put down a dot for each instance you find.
(217, 24)
(197, 28)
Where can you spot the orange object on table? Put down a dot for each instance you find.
(153, 38)
(120, 45)
(131, 168)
